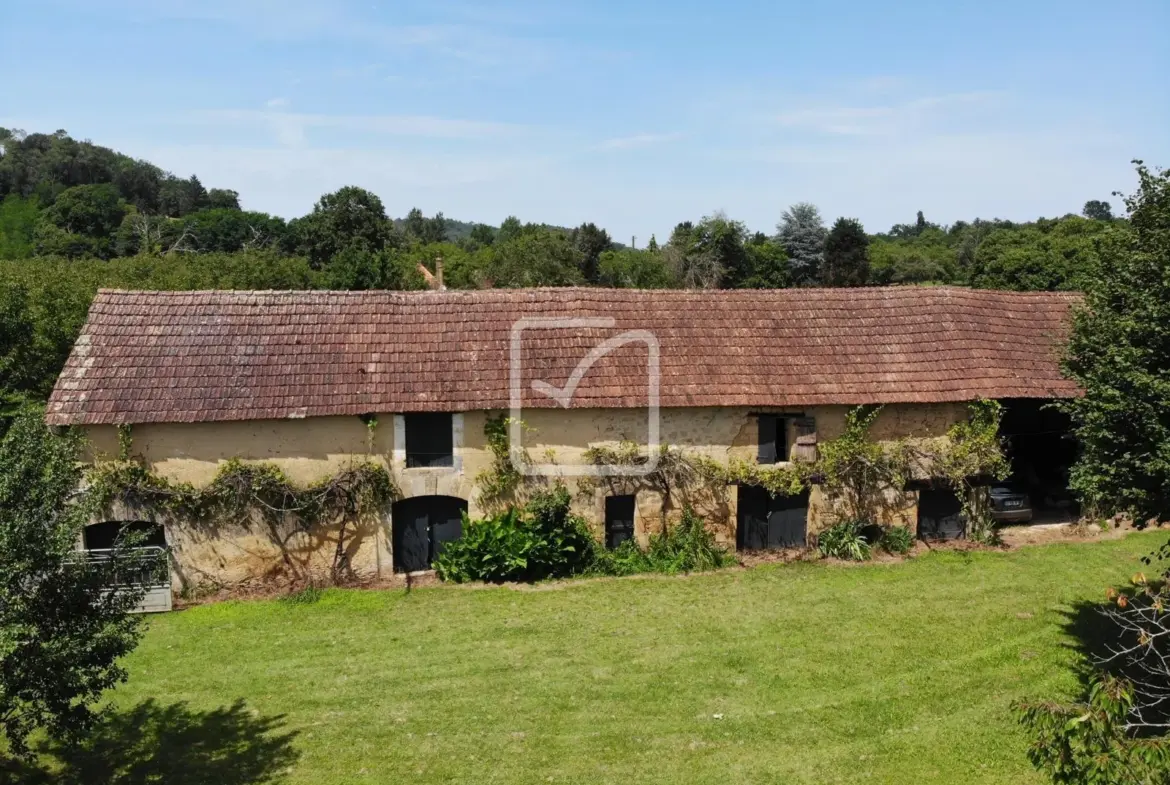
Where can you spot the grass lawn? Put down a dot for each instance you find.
(895, 673)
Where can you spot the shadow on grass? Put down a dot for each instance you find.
(1092, 634)
(151, 743)
(1096, 637)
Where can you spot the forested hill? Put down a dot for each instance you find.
(75, 216)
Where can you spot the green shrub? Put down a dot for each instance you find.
(1091, 742)
(562, 544)
(541, 540)
(897, 540)
(544, 539)
(688, 546)
(626, 559)
(844, 540)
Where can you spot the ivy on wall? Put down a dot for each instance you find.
(242, 492)
(499, 482)
(861, 478)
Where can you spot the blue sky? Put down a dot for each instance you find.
(635, 115)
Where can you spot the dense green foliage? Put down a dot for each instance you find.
(543, 539)
(685, 546)
(844, 540)
(1089, 743)
(846, 261)
(802, 234)
(62, 631)
(1119, 352)
(897, 540)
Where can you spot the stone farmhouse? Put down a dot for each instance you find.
(313, 381)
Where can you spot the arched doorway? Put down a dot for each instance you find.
(420, 526)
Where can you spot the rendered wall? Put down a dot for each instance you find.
(312, 449)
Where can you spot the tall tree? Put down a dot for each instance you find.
(534, 258)
(592, 242)
(510, 229)
(1050, 254)
(415, 224)
(223, 199)
(846, 260)
(178, 198)
(62, 629)
(1097, 210)
(1119, 352)
(482, 235)
(766, 264)
(630, 268)
(802, 233)
(709, 254)
(81, 222)
(434, 229)
(349, 218)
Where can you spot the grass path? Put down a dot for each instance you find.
(894, 673)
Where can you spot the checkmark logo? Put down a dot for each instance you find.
(563, 395)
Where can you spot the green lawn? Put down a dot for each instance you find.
(895, 673)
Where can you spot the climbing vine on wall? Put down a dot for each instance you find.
(242, 492)
(861, 478)
(500, 481)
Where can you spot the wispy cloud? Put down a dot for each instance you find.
(290, 128)
(475, 44)
(886, 118)
(639, 140)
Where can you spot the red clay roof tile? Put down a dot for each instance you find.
(223, 355)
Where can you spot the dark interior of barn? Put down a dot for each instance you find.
(1041, 448)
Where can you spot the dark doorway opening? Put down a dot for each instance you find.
(420, 527)
(619, 519)
(767, 522)
(940, 514)
(103, 536)
(1041, 448)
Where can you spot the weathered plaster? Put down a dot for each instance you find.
(315, 448)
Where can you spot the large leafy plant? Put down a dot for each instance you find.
(541, 540)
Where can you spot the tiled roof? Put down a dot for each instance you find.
(220, 355)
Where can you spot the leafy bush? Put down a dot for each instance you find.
(541, 540)
(844, 540)
(896, 539)
(62, 630)
(688, 546)
(626, 559)
(544, 539)
(1091, 742)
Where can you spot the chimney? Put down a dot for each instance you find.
(439, 273)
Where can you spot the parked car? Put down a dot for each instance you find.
(1009, 505)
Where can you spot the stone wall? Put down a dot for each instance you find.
(315, 448)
